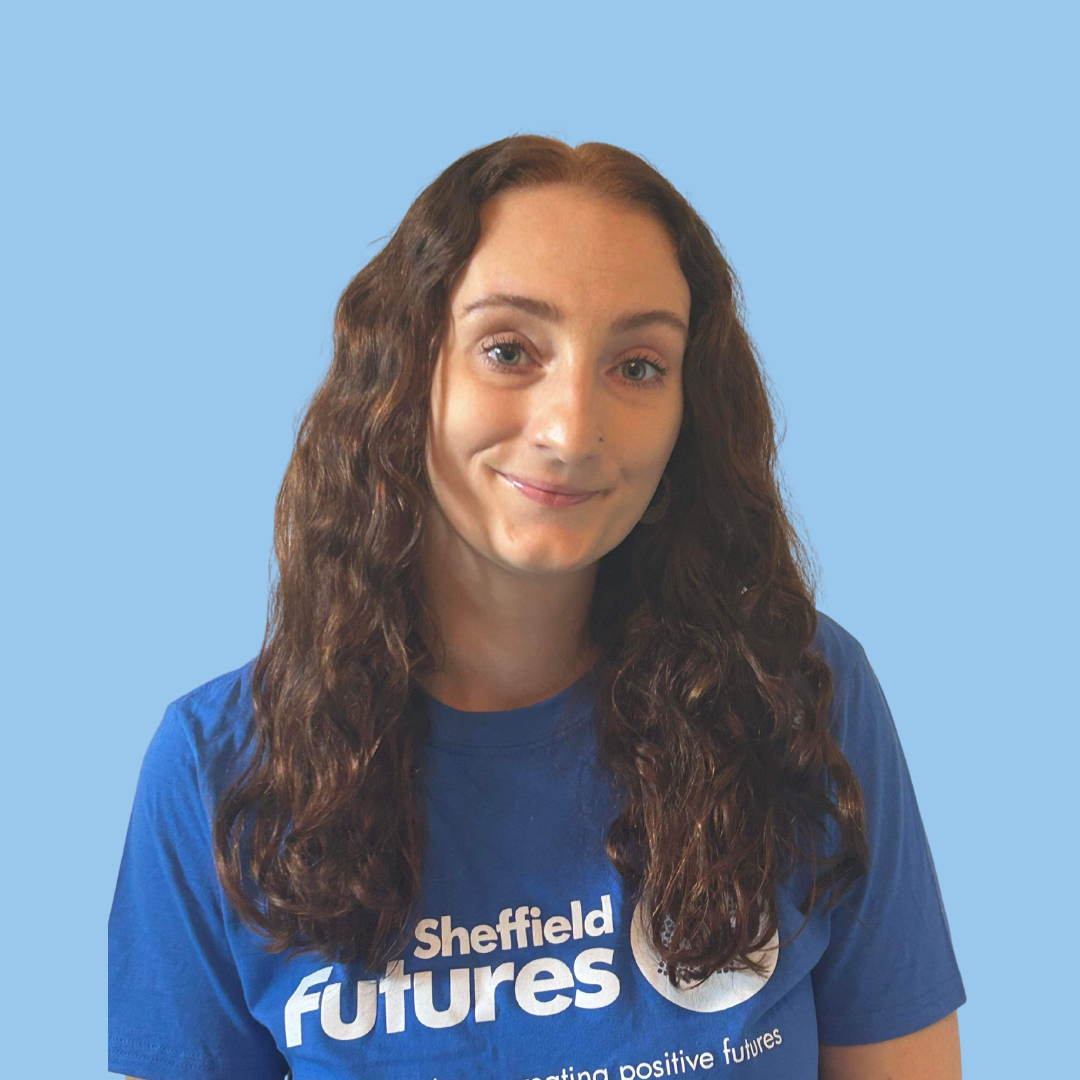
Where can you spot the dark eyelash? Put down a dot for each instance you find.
(496, 341)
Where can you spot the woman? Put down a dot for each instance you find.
(547, 766)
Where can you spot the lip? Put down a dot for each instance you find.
(545, 493)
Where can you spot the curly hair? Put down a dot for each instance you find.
(711, 707)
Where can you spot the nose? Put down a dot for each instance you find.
(566, 412)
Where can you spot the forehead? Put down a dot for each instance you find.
(575, 249)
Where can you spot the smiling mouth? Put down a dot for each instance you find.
(553, 496)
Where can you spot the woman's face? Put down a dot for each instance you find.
(557, 394)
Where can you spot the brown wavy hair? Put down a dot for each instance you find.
(711, 707)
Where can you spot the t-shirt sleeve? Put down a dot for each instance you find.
(176, 1004)
(889, 968)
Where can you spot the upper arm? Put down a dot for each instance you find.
(933, 1053)
(888, 975)
(176, 997)
(888, 971)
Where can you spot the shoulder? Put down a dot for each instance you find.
(840, 650)
(200, 745)
(859, 715)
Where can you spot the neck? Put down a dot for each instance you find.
(510, 638)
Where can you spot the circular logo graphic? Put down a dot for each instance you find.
(721, 990)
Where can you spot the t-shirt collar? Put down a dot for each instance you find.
(526, 726)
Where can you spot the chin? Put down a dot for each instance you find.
(546, 558)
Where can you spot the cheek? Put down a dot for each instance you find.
(672, 430)
(647, 443)
(466, 421)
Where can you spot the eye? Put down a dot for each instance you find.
(636, 370)
(505, 353)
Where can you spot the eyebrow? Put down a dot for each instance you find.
(550, 313)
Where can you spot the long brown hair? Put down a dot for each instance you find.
(711, 707)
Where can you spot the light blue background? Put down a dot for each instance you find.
(187, 189)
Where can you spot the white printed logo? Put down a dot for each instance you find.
(473, 985)
(721, 990)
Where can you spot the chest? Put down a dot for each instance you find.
(529, 962)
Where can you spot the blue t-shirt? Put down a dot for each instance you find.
(528, 961)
